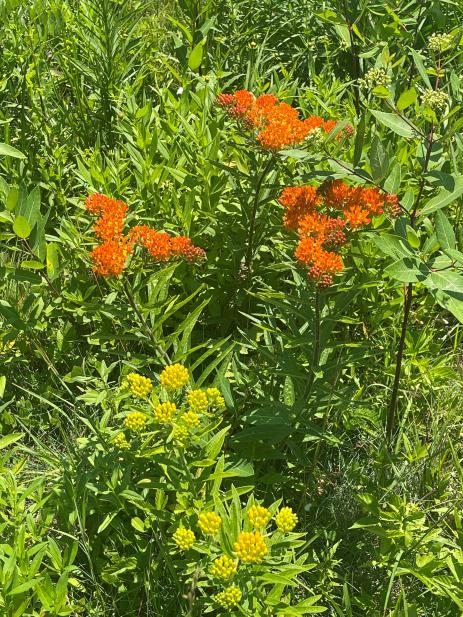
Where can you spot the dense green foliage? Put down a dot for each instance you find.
(342, 403)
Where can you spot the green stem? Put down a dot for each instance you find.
(252, 222)
(144, 323)
(391, 414)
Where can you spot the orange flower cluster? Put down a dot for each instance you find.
(278, 125)
(110, 256)
(323, 215)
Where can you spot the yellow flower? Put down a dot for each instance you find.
(164, 412)
(209, 522)
(191, 419)
(184, 538)
(286, 519)
(229, 597)
(135, 421)
(215, 398)
(139, 385)
(174, 377)
(259, 516)
(197, 400)
(224, 567)
(250, 547)
(180, 435)
(121, 442)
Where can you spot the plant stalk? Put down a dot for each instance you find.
(391, 414)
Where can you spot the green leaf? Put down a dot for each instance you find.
(379, 160)
(418, 60)
(451, 304)
(2, 385)
(9, 439)
(12, 199)
(288, 392)
(137, 524)
(405, 270)
(406, 99)
(196, 56)
(107, 520)
(443, 198)
(394, 122)
(32, 264)
(52, 260)
(21, 227)
(392, 182)
(7, 150)
(359, 139)
(30, 207)
(392, 245)
(413, 238)
(455, 255)
(444, 231)
(336, 130)
(447, 280)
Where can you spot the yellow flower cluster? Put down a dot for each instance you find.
(209, 522)
(250, 547)
(180, 435)
(164, 412)
(229, 597)
(191, 419)
(224, 567)
(135, 421)
(174, 377)
(215, 398)
(184, 538)
(139, 385)
(121, 442)
(259, 516)
(197, 399)
(286, 519)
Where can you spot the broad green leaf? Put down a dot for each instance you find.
(394, 122)
(418, 59)
(392, 182)
(447, 280)
(52, 260)
(2, 385)
(9, 439)
(406, 99)
(443, 198)
(444, 231)
(288, 391)
(455, 255)
(21, 227)
(451, 304)
(7, 150)
(32, 264)
(196, 56)
(137, 524)
(12, 199)
(413, 238)
(392, 246)
(30, 207)
(405, 270)
(379, 160)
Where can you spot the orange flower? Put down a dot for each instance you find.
(163, 247)
(298, 201)
(356, 216)
(109, 258)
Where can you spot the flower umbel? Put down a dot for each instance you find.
(184, 538)
(135, 421)
(174, 377)
(286, 520)
(250, 547)
(229, 598)
(209, 522)
(139, 385)
(165, 412)
(259, 516)
(224, 567)
(198, 401)
(121, 442)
